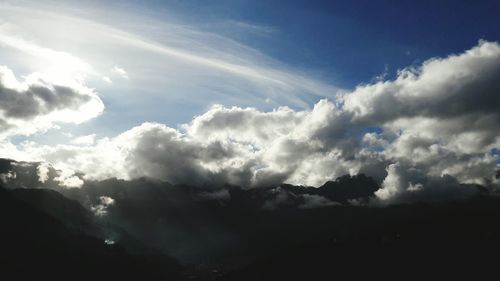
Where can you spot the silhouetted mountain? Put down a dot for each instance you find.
(281, 232)
(5, 165)
(70, 212)
(348, 187)
(419, 241)
(227, 227)
(36, 245)
(209, 224)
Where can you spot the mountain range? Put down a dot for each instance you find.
(147, 229)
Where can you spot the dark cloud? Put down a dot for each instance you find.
(39, 100)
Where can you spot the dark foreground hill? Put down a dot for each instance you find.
(37, 246)
(440, 240)
(458, 240)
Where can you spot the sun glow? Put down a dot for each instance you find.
(58, 67)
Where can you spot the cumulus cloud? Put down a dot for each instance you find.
(262, 148)
(428, 133)
(408, 184)
(455, 86)
(68, 179)
(37, 104)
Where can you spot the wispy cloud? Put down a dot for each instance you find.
(207, 62)
(56, 65)
(120, 71)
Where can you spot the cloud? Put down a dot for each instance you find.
(440, 117)
(6, 177)
(456, 86)
(68, 179)
(58, 66)
(427, 134)
(84, 140)
(102, 208)
(407, 184)
(239, 26)
(107, 79)
(316, 201)
(43, 170)
(120, 71)
(157, 52)
(36, 104)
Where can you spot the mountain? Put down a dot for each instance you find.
(38, 245)
(419, 241)
(70, 212)
(283, 232)
(289, 243)
(346, 188)
(213, 225)
(227, 228)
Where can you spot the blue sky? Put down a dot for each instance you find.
(350, 42)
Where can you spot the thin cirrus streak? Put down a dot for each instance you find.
(208, 57)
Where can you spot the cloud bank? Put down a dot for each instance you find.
(430, 132)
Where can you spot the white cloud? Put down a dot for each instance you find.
(107, 79)
(37, 104)
(120, 71)
(102, 208)
(456, 86)
(67, 178)
(84, 140)
(407, 184)
(43, 170)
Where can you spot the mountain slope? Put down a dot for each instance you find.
(419, 241)
(37, 245)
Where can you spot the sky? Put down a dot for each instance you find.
(253, 92)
